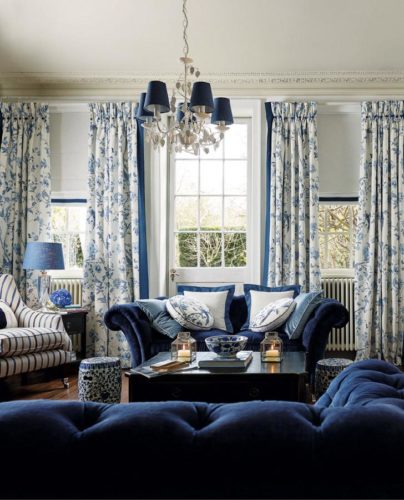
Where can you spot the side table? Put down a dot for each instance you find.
(74, 322)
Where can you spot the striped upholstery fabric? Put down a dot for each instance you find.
(17, 341)
(34, 361)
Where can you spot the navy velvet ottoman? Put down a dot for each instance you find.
(349, 445)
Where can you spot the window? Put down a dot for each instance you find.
(210, 204)
(68, 228)
(337, 228)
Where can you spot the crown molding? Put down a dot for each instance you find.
(128, 85)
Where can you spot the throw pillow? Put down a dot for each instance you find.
(11, 320)
(218, 299)
(190, 313)
(273, 315)
(305, 305)
(159, 318)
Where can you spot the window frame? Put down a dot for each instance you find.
(68, 202)
(346, 271)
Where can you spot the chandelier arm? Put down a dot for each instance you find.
(185, 25)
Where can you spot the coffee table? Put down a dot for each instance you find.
(282, 381)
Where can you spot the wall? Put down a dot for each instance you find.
(68, 145)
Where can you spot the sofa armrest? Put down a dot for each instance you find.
(135, 325)
(330, 313)
(29, 318)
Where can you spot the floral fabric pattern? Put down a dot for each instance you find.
(25, 189)
(190, 312)
(379, 257)
(111, 268)
(294, 256)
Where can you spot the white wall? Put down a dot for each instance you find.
(339, 137)
(68, 147)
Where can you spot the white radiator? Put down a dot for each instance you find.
(342, 289)
(73, 285)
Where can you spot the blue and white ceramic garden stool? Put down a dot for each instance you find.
(100, 380)
(326, 371)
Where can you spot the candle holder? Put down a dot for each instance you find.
(271, 348)
(184, 348)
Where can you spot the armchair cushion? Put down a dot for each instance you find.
(17, 341)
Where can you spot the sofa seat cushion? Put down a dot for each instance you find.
(17, 341)
(34, 361)
(162, 343)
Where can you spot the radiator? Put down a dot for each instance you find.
(73, 285)
(342, 289)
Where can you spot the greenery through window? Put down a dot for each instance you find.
(211, 204)
(337, 228)
(68, 228)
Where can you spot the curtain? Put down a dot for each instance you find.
(115, 269)
(292, 248)
(25, 189)
(379, 257)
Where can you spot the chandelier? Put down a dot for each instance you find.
(191, 107)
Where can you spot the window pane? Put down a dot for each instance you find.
(235, 177)
(75, 252)
(186, 252)
(235, 250)
(338, 218)
(323, 255)
(59, 219)
(186, 212)
(186, 177)
(211, 212)
(235, 213)
(77, 219)
(235, 141)
(338, 250)
(211, 177)
(211, 249)
(321, 218)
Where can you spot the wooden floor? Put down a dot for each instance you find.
(52, 389)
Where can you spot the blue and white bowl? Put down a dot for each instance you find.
(226, 346)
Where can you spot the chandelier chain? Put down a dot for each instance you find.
(185, 25)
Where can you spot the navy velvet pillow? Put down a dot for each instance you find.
(262, 288)
(3, 320)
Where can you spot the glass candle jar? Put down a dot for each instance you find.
(184, 348)
(271, 348)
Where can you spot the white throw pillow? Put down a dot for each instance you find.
(189, 313)
(261, 299)
(216, 302)
(273, 315)
(9, 314)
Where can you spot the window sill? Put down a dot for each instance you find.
(67, 273)
(337, 273)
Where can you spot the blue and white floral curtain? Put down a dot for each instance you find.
(25, 189)
(379, 259)
(292, 246)
(115, 257)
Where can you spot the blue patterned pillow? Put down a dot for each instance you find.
(261, 288)
(159, 318)
(305, 305)
(190, 313)
(273, 315)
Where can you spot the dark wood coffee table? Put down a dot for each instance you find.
(282, 381)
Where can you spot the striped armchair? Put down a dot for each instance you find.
(39, 342)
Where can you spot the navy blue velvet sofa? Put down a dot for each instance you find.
(349, 445)
(145, 342)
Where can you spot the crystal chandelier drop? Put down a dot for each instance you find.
(192, 105)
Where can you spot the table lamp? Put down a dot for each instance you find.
(42, 256)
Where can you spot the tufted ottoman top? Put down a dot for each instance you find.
(366, 383)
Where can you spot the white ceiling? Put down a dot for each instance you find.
(226, 36)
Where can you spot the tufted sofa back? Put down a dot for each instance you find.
(260, 449)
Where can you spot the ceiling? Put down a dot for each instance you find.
(132, 37)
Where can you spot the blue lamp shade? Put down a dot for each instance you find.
(222, 111)
(202, 96)
(157, 96)
(43, 256)
(141, 112)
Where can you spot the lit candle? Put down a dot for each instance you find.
(272, 354)
(184, 355)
